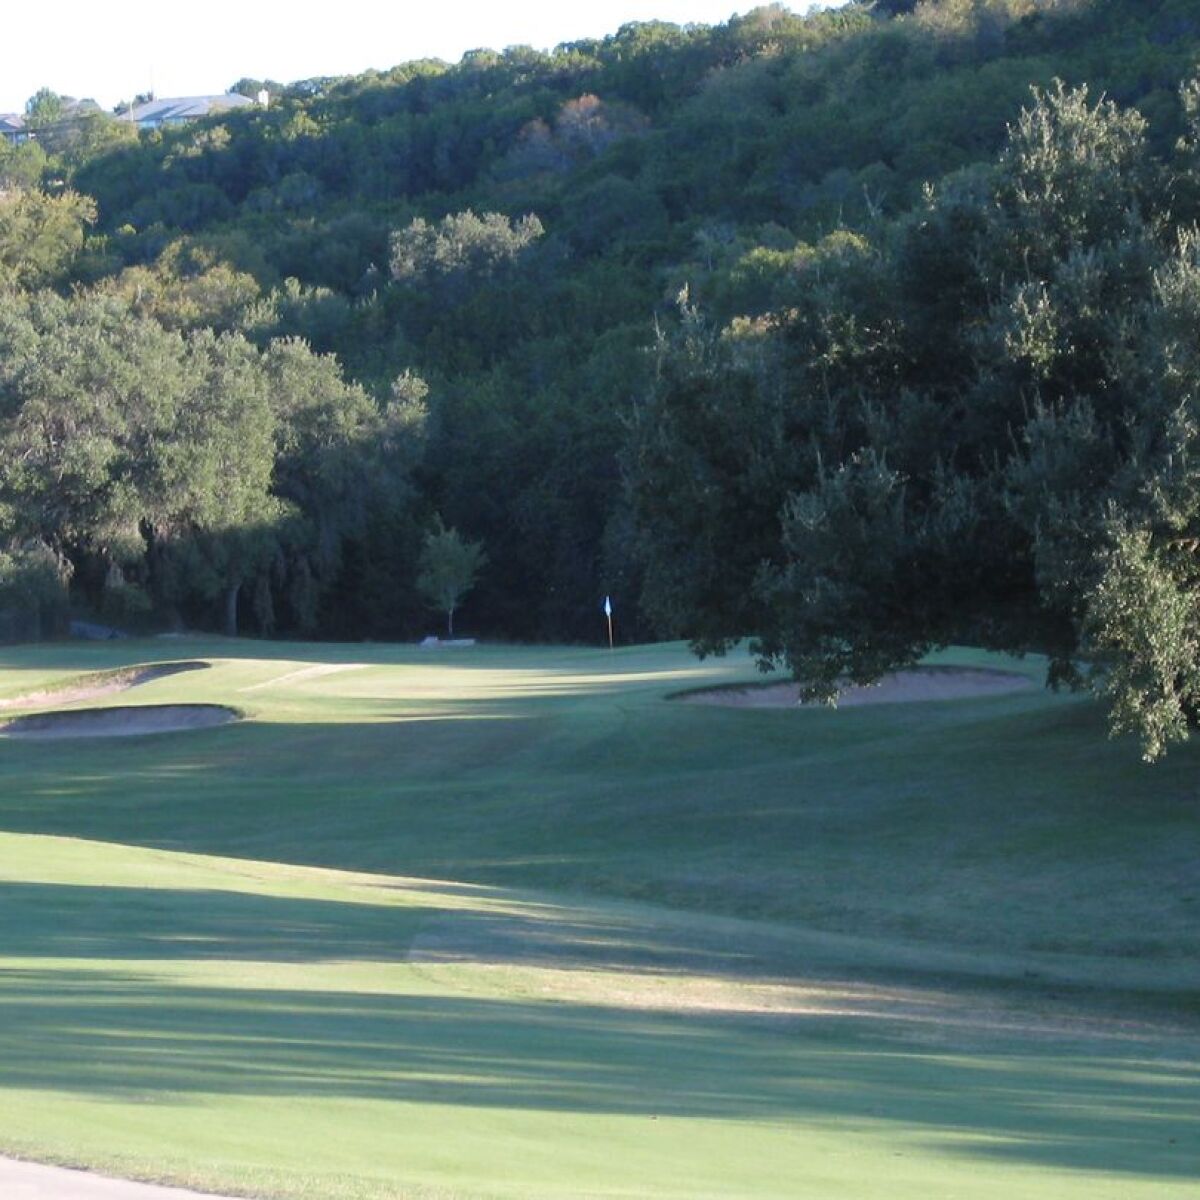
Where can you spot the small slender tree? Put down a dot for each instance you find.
(448, 568)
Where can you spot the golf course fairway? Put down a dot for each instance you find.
(512, 922)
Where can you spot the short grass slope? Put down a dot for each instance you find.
(508, 923)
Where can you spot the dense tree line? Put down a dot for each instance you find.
(763, 323)
(185, 472)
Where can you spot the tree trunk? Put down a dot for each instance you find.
(231, 603)
(450, 622)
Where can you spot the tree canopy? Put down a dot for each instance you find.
(978, 424)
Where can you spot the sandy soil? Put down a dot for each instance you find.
(118, 722)
(29, 1181)
(92, 687)
(904, 687)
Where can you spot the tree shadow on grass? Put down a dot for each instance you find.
(407, 793)
(380, 922)
(45, 920)
(689, 815)
(137, 1035)
(104, 922)
(648, 957)
(126, 1037)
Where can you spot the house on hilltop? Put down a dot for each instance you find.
(154, 114)
(12, 128)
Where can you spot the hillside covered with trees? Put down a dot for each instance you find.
(857, 332)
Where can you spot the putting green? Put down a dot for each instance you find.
(504, 923)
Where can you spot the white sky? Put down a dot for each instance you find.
(112, 49)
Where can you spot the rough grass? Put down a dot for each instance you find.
(906, 951)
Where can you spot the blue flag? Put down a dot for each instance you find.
(607, 607)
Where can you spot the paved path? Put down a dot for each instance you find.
(29, 1181)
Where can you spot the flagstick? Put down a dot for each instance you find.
(610, 636)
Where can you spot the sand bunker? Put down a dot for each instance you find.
(119, 722)
(904, 687)
(102, 683)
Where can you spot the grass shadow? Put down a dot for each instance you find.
(123, 1036)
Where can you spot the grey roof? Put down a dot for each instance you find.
(11, 122)
(186, 108)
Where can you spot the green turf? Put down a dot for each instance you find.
(207, 939)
